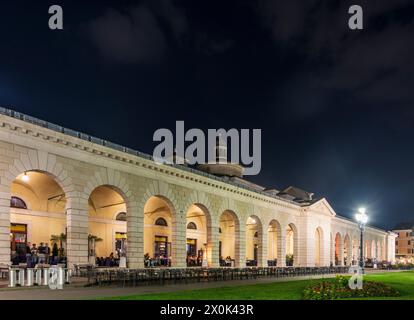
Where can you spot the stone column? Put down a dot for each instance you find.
(281, 248)
(350, 252)
(5, 253)
(135, 236)
(240, 246)
(262, 252)
(178, 245)
(341, 252)
(77, 231)
(213, 239)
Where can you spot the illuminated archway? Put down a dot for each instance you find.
(198, 223)
(107, 227)
(229, 247)
(274, 249)
(37, 216)
(338, 250)
(254, 246)
(291, 245)
(158, 237)
(347, 256)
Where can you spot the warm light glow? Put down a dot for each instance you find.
(25, 177)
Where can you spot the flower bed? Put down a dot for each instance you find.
(338, 289)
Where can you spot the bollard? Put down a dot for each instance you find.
(12, 277)
(38, 277)
(68, 275)
(30, 277)
(21, 277)
(45, 276)
(61, 277)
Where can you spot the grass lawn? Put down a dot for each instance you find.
(289, 290)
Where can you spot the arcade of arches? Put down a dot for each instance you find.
(38, 214)
(93, 201)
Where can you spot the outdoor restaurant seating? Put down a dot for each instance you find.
(148, 276)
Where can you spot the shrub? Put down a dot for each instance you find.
(338, 288)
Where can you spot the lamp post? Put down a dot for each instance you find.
(362, 220)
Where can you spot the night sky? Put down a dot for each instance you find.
(335, 106)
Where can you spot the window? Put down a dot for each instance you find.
(192, 226)
(256, 234)
(121, 216)
(161, 222)
(396, 243)
(409, 242)
(16, 202)
(219, 230)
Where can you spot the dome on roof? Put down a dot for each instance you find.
(222, 167)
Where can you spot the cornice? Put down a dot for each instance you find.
(22, 128)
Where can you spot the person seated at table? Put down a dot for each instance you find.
(228, 261)
(112, 261)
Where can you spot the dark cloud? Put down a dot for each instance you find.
(133, 36)
(143, 33)
(374, 65)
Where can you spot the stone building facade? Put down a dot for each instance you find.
(234, 220)
(404, 243)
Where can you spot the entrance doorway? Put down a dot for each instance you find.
(18, 237)
(120, 243)
(192, 258)
(162, 249)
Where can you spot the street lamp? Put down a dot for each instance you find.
(362, 220)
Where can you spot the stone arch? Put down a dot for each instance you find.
(292, 245)
(111, 178)
(338, 249)
(165, 192)
(174, 234)
(117, 181)
(319, 247)
(107, 202)
(44, 163)
(347, 250)
(211, 234)
(230, 243)
(160, 190)
(254, 240)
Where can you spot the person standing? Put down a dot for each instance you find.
(47, 253)
(34, 254)
(28, 255)
(41, 253)
(55, 253)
